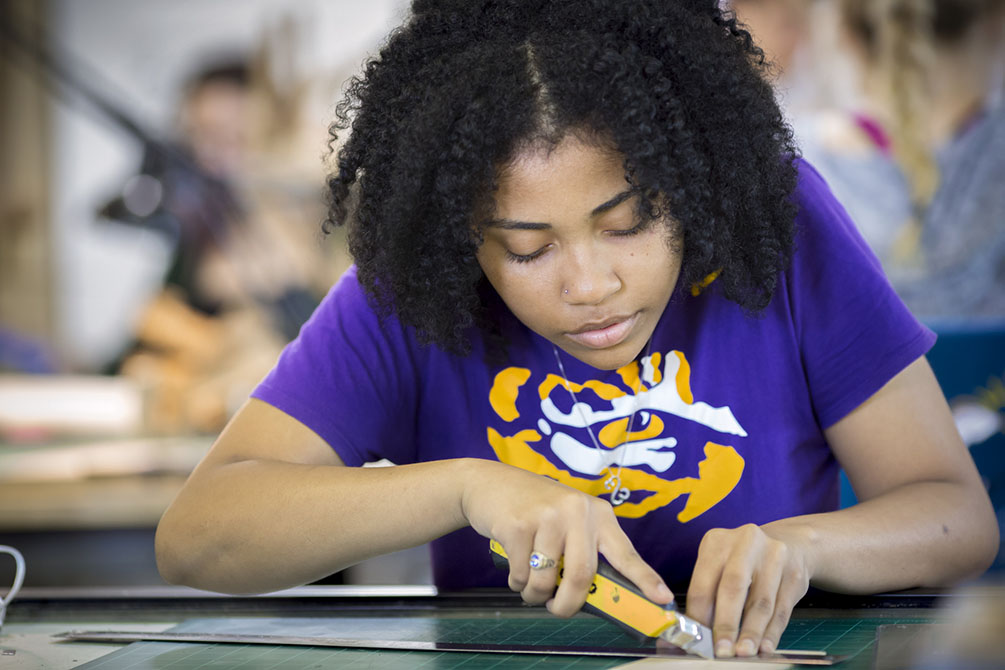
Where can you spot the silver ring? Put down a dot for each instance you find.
(539, 561)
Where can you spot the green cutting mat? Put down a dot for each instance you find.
(853, 636)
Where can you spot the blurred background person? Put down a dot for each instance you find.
(160, 212)
(917, 156)
(246, 269)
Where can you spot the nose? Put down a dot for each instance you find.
(589, 277)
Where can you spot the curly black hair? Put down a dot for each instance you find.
(676, 86)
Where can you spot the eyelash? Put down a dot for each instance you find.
(517, 258)
(634, 230)
(527, 258)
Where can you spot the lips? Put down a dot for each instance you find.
(604, 334)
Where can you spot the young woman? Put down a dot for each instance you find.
(599, 307)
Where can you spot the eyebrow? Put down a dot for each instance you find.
(511, 224)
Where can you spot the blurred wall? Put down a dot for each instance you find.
(138, 54)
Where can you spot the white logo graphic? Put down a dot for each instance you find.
(653, 453)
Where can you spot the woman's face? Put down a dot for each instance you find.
(568, 254)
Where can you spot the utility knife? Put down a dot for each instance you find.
(613, 597)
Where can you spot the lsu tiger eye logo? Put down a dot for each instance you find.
(615, 439)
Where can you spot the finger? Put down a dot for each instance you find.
(731, 593)
(541, 582)
(705, 577)
(791, 590)
(518, 550)
(579, 565)
(619, 551)
(761, 600)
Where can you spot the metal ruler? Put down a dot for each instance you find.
(781, 656)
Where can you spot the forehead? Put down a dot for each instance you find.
(558, 173)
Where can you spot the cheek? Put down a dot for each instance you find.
(519, 291)
(507, 280)
(657, 269)
(656, 254)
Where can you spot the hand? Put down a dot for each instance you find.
(746, 582)
(526, 512)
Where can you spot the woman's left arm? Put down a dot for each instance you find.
(924, 519)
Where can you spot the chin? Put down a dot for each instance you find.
(613, 358)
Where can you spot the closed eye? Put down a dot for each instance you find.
(525, 258)
(638, 228)
(634, 230)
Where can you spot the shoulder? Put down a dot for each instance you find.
(346, 296)
(350, 318)
(811, 186)
(344, 337)
(854, 332)
(822, 222)
(813, 193)
(349, 310)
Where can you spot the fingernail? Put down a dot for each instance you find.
(767, 647)
(724, 649)
(746, 648)
(663, 592)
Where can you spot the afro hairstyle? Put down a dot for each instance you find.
(677, 87)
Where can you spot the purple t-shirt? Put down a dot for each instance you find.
(724, 412)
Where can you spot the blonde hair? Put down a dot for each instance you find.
(899, 41)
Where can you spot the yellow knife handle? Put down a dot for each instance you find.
(613, 597)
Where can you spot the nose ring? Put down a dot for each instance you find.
(566, 291)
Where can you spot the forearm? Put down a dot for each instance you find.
(921, 534)
(257, 525)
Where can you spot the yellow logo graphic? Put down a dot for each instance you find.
(592, 470)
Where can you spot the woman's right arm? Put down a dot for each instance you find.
(273, 506)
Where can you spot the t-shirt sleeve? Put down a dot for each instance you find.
(349, 376)
(855, 333)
